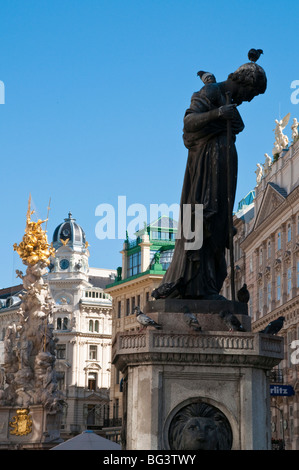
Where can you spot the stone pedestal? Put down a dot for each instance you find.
(34, 429)
(175, 377)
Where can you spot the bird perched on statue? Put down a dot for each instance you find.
(274, 326)
(144, 320)
(206, 77)
(167, 289)
(243, 294)
(191, 319)
(231, 321)
(254, 54)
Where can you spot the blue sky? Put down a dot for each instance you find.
(95, 94)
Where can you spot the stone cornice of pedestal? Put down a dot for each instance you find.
(203, 348)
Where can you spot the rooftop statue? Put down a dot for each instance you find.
(211, 124)
(259, 173)
(294, 128)
(267, 164)
(281, 140)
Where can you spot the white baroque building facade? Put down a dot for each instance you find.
(82, 326)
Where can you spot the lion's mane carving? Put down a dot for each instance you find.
(200, 426)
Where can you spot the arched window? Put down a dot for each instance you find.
(58, 323)
(90, 325)
(96, 326)
(65, 323)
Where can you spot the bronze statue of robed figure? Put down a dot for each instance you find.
(211, 124)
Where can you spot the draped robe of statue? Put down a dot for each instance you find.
(201, 273)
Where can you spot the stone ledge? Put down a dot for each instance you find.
(209, 347)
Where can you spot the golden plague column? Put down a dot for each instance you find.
(29, 381)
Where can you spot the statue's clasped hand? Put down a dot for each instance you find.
(227, 111)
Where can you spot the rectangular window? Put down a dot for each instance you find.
(119, 309)
(116, 409)
(260, 300)
(128, 307)
(269, 249)
(279, 241)
(251, 264)
(269, 294)
(161, 235)
(92, 382)
(261, 257)
(134, 264)
(61, 351)
(155, 235)
(93, 352)
(289, 280)
(91, 413)
(278, 291)
(289, 232)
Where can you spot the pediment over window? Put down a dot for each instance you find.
(93, 366)
(274, 196)
(287, 256)
(95, 396)
(277, 264)
(267, 271)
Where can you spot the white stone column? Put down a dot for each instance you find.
(145, 252)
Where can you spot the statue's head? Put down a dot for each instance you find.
(250, 80)
(200, 433)
(200, 426)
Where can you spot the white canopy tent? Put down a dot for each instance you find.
(87, 440)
